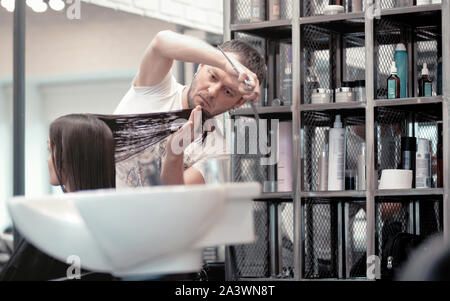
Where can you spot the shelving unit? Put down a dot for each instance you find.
(333, 232)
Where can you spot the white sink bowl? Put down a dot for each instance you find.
(138, 232)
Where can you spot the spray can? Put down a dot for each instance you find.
(423, 164)
(401, 61)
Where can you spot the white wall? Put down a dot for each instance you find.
(5, 151)
(102, 40)
(205, 15)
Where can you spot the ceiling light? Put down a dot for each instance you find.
(57, 5)
(8, 5)
(38, 6)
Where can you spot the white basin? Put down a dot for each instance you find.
(138, 232)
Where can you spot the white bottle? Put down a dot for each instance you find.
(423, 164)
(423, 2)
(336, 160)
(284, 166)
(362, 168)
(323, 169)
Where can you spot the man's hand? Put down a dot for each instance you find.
(180, 140)
(247, 82)
(172, 172)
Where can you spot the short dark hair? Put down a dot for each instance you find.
(248, 56)
(83, 151)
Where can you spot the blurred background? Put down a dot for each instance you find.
(81, 57)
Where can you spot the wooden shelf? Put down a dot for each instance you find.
(409, 192)
(271, 112)
(334, 194)
(407, 101)
(333, 106)
(275, 196)
(279, 29)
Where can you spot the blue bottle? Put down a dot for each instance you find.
(401, 61)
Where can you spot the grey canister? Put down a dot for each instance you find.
(344, 94)
(360, 90)
(321, 95)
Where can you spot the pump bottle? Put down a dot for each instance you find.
(393, 83)
(336, 160)
(425, 83)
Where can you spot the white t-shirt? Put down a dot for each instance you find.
(165, 97)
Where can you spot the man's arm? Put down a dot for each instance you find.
(172, 171)
(193, 177)
(173, 174)
(168, 46)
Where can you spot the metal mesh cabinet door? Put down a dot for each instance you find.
(423, 44)
(315, 134)
(355, 239)
(252, 260)
(320, 239)
(393, 123)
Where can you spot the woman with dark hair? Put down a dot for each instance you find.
(81, 153)
(81, 157)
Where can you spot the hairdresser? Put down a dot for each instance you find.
(215, 89)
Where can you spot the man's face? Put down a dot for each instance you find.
(214, 90)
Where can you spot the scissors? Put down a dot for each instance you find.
(247, 83)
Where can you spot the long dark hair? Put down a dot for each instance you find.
(83, 151)
(133, 134)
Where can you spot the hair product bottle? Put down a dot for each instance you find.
(286, 90)
(284, 166)
(401, 62)
(439, 77)
(271, 183)
(393, 83)
(408, 152)
(362, 168)
(312, 81)
(440, 158)
(274, 9)
(425, 83)
(323, 169)
(336, 161)
(423, 164)
(258, 10)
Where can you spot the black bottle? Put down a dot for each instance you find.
(408, 152)
(440, 157)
